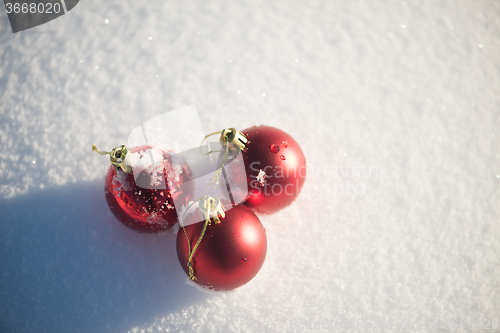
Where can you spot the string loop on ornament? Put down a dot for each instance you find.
(207, 222)
(230, 138)
(94, 148)
(215, 179)
(117, 157)
(206, 137)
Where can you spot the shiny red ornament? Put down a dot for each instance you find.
(147, 209)
(275, 168)
(229, 254)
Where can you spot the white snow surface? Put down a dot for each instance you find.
(394, 103)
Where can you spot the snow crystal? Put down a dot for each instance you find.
(261, 177)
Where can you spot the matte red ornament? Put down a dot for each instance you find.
(229, 254)
(275, 168)
(149, 207)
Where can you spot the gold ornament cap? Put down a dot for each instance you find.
(211, 209)
(235, 139)
(117, 157)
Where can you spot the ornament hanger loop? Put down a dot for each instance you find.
(215, 179)
(210, 208)
(231, 136)
(117, 157)
(233, 140)
(206, 137)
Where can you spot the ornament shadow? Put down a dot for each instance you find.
(67, 265)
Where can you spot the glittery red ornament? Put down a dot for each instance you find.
(229, 254)
(275, 168)
(144, 199)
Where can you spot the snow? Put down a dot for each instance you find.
(142, 160)
(261, 177)
(154, 160)
(406, 91)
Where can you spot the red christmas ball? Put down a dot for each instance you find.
(145, 203)
(229, 254)
(275, 168)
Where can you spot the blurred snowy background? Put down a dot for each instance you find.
(396, 107)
